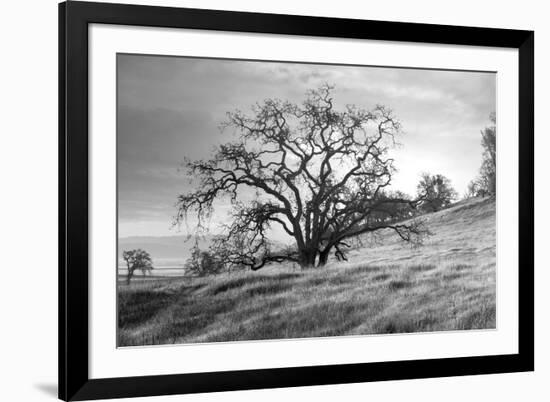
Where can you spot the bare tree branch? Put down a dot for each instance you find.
(320, 175)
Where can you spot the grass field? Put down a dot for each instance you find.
(386, 287)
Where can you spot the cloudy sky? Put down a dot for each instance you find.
(171, 107)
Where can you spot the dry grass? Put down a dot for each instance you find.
(387, 287)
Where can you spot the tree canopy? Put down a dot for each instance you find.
(137, 259)
(437, 192)
(321, 175)
(485, 183)
(203, 262)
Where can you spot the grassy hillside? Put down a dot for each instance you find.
(386, 287)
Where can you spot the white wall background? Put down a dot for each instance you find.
(28, 200)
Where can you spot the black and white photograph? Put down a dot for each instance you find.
(275, 201)
(270, 200)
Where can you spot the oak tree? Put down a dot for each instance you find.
(437, 192)
(320, 174)
(203, 262)
(137, 259)
(485, 183)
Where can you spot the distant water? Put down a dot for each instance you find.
(157, 271)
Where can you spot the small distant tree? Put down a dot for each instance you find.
(473, 189)
(137, 259)
(485, 183)
(203, 262)
(489, 165)
(437, 190)
(478, 187)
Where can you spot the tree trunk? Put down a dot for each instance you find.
(129, 275)
(323, 257)
(307, 258)
(493, 184)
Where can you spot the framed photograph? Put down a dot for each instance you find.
(259, 201)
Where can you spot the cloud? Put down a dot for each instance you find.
(163, 135)
(171, 107)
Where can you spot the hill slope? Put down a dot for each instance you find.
(464, 233)
(387, 286)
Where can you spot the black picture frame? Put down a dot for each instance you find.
(74, 381)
